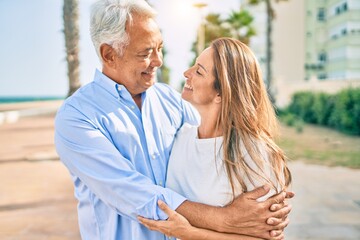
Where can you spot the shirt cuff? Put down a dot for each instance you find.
(151, 209)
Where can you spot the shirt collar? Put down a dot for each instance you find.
(110, 85)
(117, 90)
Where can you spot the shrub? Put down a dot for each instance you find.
(289, 119)
(340, 111)
(322, 107)
(301, 105)
(346, 112)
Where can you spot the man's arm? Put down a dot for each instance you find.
(92, 157)
(176, 225)
(243, 216)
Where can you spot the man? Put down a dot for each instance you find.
(115, 136)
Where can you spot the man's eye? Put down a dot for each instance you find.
(145, 55)
(197, 71)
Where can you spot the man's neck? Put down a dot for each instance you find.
(137, 100)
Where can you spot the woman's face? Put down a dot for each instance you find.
(199, 85)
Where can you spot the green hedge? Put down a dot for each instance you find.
(340, 111)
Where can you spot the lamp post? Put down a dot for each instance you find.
(201, 31)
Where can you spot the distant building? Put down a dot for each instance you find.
(332, 39)
(287, 38)
(314, 43)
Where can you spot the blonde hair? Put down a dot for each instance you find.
(247, 116)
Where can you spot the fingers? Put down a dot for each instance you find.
(281, 226)
(274, 221)
(143, 220)
(276, 199)
(165, 208)
(258, 192)
(277, 235)
(290, 195)
(154, 225)
(278, 232)
(283, 212)
(275, 207)
(150, 224)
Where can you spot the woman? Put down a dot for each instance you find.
(232, 150)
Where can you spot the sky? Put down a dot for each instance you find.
(32, 45)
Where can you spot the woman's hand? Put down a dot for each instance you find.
(176, 225)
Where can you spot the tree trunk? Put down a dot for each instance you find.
(270, 18)
(71, 31)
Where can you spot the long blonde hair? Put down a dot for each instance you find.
(247, 116)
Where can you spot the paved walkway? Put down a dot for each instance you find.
(36, 192)
(37, 203)
(327, 203)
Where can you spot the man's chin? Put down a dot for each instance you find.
(147, 85)
(150, 82)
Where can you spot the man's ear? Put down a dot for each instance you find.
(108, 54)
(218, 98)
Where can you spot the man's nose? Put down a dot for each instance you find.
(156, 60)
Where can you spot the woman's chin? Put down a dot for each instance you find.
(185, 95)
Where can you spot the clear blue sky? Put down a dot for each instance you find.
(32, 49)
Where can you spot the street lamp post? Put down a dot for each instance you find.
(201, 31)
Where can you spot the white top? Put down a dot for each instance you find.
(194, 173)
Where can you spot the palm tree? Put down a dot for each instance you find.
(71, 32)
(241, 25)
(237, 25)
(270, 15)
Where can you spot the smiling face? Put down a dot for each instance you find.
(136, 68)
(199, 86)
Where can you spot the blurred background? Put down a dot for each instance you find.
(309, 51)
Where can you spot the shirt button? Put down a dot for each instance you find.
(119, 88)
(132, 107)
(153, 156)
(160, 183)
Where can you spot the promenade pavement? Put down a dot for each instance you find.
(327, 203)
(36, 192)
(37, 202)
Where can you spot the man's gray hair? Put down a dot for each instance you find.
(108, 21)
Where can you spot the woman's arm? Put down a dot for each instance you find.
(177, 226)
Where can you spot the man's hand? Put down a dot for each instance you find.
(276, 221)
(177, 226)
(245, 215)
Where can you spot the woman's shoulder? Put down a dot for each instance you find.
(187, 130)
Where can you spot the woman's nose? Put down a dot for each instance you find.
(187, 73)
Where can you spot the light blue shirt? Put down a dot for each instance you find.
(117, 155)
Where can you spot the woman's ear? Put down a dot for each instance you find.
(218, 98)
(108, 54)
